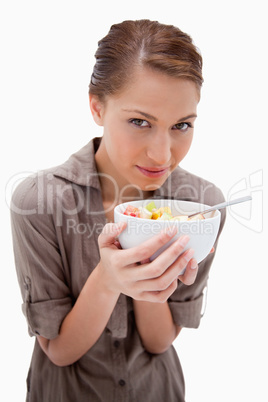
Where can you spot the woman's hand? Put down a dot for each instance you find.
(132, 273)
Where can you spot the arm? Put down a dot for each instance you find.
(82, 327)
(155, 325)
(154, 320)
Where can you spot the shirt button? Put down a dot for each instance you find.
(122, 382)
(116, 344)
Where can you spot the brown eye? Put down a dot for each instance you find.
(183, 127)
(140, 122)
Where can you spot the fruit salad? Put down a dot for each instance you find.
(160, 214)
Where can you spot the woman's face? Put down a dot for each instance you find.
(148, 129)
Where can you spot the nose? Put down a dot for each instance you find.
(159, 148)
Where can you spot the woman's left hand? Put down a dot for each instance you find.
(190, 273)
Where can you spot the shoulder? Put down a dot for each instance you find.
(25, 197)
(34, 194)
(43, 189)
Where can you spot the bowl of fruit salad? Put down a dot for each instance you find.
(146, 218)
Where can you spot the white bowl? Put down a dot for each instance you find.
(202, 233)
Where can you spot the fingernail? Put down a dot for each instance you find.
(189, 254)
(183, 240)
(194, 264)
(171, 230)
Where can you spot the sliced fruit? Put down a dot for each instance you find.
(132, 211)
(165, 209)
(165, 217)
(155, 214)
(151, 206)
(145, 214)
(180, 218)
(160, 211)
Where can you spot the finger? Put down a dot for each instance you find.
(174, 254)
(163, 281)
(149, 247)
(145, 261)
(189, 276)
(212, 250)
(110, 232)
(117, 244)
(167, 258)
(158, 296)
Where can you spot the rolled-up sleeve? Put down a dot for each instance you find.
(41, 315)
(187, 314)
(41, 275)
(187, 302)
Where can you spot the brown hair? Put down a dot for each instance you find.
(141, 43)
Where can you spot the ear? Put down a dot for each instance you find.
(97, 109)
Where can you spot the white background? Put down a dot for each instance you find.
(47, 54)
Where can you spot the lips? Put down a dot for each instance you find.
(153, 171)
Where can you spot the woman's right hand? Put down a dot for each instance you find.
(132, 273)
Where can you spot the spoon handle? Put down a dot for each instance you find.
(223, 205)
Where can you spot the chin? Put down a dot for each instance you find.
(155, 185)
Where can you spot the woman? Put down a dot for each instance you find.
(105, 318)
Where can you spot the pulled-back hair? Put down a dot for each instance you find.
(143, 43)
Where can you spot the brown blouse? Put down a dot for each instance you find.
(57, 216)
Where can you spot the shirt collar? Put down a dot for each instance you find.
(81, 168)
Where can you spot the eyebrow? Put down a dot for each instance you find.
(147, 115)
(150, 117)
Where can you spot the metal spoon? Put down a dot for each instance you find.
(222, 205)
